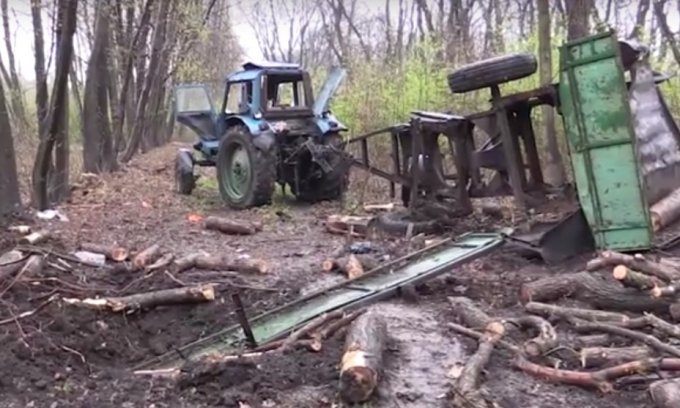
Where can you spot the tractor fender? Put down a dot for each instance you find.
(253, 125)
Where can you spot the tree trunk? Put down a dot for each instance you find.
(578, 18)
(640, 18)
(157, 49)
(98, 152)
(554, 167)
(9, 184)
(41, 95)
(67, 10)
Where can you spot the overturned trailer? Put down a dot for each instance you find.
(623, 148)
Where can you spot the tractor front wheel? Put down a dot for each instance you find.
(245, 174)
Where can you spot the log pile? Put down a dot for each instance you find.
(617, 327)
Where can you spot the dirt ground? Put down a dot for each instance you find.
(64, 356)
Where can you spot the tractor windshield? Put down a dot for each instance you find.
(286, 92)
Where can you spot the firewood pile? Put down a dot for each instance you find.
(610, 327)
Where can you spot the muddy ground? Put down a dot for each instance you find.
(65, 356)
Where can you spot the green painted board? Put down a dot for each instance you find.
(601, 139)
(375, 285)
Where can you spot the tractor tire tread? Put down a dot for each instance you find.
(492, 71)
(262, 165)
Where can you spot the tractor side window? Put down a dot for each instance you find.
(238, 98)
(192, 99)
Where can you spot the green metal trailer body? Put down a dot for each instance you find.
(601, 139)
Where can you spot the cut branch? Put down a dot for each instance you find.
(651, 341)
(308, 328)
(637, 262)
(218, 263)
(195, 294)
(563, 312)
(611, 356)
(113, 253)
(546, 339)
(147, 256)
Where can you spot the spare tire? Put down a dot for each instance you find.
(492, 71)
(397, 222)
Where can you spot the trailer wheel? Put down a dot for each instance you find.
(185, 181)
(492, 71)
(398, 223)
(245, 174)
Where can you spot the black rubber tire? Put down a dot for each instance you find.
(185, 181)
(397, 222)
(492, 71)
(262, 165)
(332, 185)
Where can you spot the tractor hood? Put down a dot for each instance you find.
(328, 90)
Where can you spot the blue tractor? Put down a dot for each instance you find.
(270, 128)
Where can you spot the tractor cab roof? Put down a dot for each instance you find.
(250, 70)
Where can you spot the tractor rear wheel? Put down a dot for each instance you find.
(327, 186)
(245, 174)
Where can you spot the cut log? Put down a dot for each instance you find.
(351, 266)
(666, 393)
(112, 252)
(467, 391)
(546, 339)
(468, 313)
(146, 257)
(194, 294)
(634, 279)
(35, 237)
(601, 292)
(665, 211)
(596, 379)
(347, 225)
(593, 340)
(162, 262)
(20, 229)
(666, 291)
(548, 310)
(636, 262)
(611, 356)
(227, 226)
(313, 344)
(457, 328)
(187, 262)
(219, 263)
(361, 366)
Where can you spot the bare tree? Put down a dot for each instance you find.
(41, 96)
(9, 185)
(640, 18)
(578, 18)
(16, 93)
(67, 10)
(668, 35)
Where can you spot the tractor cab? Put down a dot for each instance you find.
(270, 127)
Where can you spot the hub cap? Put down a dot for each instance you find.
(237, 180)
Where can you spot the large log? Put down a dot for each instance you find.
(636, 262)
(361, 367)
(599, 291)
(227, 226)
(194, 294)
(611, 356)
(666, 393)
(665, 211)
(222, 263)
(112, 252)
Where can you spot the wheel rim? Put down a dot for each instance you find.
(238, 173)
